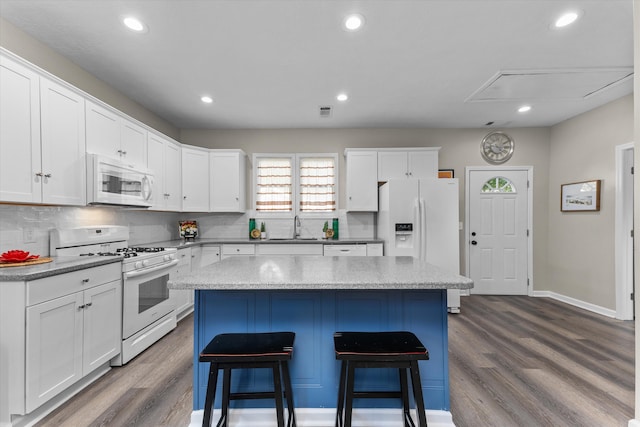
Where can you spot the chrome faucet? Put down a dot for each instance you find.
(296, 227)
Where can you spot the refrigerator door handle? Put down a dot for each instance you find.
(423, 230)
(417, 220)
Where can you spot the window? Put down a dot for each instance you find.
(295, 183)
(498, 184)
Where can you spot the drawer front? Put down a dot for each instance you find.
(238, 249)
(293, 249)
(48, 288)
(345, 250)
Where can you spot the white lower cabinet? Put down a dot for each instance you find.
(345, 250)
(238, 250)
(289, 249)
(182, 299)
(69, 336)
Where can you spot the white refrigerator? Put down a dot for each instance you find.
(420, 218)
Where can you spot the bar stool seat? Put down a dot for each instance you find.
(400, 350)
(270, 350)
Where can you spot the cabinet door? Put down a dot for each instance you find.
(133, 144)
(228, 181)
(195, 179)
(63, 145)
(103, 131)
(392, 165)
(155, 163)
(362, 181)
(182, 299)
(102, 325)
(172, 178)
(54, 348)
(423, 164)
(19, 133)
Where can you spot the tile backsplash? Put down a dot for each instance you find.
(27, 227)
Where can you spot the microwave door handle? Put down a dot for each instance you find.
(147, 191)
(132, 274)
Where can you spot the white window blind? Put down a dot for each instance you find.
(274, 184)
(317, 184)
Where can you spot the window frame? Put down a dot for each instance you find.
(295, 174)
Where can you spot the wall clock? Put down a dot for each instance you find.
(497, 147)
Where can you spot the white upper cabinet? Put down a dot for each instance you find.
(362, 180)
(407, 164)
(42, 140)
(19, 133)
(114, 136)
(195, 179)
(227, 169)
(62, 128)
(164, 162)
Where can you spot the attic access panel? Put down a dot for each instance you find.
(550, 84)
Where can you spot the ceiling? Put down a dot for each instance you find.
(274, 63)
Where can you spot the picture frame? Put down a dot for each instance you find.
(583, 196)
(445, 173)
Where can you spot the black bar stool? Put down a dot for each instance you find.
(400, 350)
(261, 350)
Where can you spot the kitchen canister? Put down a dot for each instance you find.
(252, 226)
(335, 228)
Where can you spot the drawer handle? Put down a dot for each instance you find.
(85, 280)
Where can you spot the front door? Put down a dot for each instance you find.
(497, 231)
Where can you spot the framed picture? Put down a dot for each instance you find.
(580, 196)
(445, 173)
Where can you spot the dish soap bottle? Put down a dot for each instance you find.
(335, 228)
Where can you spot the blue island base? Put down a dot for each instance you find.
(314, 316)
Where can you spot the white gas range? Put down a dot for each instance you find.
(147, 312)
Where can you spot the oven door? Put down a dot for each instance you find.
(145, 297)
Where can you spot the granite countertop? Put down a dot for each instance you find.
(318, 273)
(59, 265)
(181, 243)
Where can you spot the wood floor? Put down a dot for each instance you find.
(514, 361)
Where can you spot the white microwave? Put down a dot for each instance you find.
(111, 182)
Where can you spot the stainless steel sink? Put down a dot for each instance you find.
(288, 239)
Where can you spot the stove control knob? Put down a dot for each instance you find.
(172, 256)
(145, 262)
(138, 264)
(166, 258)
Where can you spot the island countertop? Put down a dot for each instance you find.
(317, 273)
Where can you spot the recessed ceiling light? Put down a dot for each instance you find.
(565, 19)
(206, 99)
(134, 24)
(353, 22)
(524, 109)
(342, 97)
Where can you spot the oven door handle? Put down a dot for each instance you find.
(131, 274)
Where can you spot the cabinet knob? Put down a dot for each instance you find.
(124, 153)
(80, 307)
(85, 280)
(89, 304)
(47, 175)
(39, 174)
(184, 197)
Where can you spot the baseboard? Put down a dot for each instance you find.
(577, 303)
(323, 417)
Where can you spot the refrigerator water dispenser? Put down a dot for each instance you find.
(404, 235)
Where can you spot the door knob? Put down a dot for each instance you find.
(473, 242)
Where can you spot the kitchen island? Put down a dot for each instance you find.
(314, 297)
